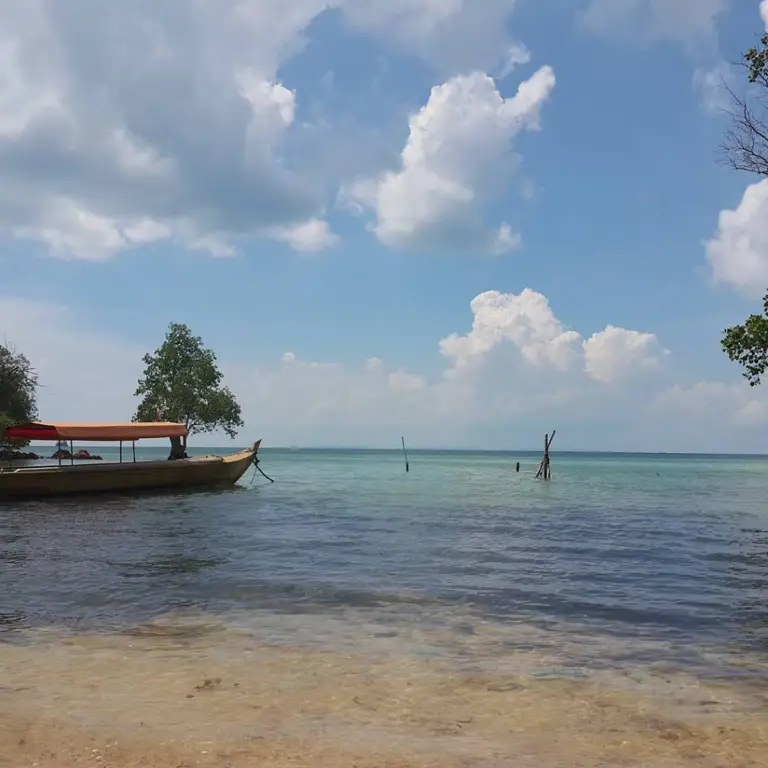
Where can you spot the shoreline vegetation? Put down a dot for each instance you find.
(61, 453)
(181, 384)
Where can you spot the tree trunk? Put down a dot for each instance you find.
(178, 449)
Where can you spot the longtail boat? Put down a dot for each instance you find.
(68, 478)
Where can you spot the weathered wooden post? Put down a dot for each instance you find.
(545, 468)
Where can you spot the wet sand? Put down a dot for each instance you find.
(177, 699)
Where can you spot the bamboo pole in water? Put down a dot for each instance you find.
(405, 453)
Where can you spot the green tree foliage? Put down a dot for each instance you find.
(182, 384)
(756, 59)
(746, 149)
(747, 345)
(18, 393)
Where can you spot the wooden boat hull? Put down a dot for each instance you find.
(195, 472)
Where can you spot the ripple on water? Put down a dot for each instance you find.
(618, 559)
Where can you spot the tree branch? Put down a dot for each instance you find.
(746, 144)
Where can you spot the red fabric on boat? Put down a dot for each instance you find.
(137, 430)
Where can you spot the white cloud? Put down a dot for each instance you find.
(146, 231)
(738, 253)
(214, 244)
(517, 54)
(458, 153)
(94, 138)
(456, 36)
(524, 320)
(717, 403)
(764, 13)
(311, 235)
(616, 353)
(517, 371)
(273, 105)
(69, 229)
(683, 21)
(194, 131)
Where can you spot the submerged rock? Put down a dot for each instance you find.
(81, 455)
(6, 455)
(85, 455)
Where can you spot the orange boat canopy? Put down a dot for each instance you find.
(33, 430)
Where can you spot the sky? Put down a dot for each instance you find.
(463, 221)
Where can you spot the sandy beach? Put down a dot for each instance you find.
(177, 699)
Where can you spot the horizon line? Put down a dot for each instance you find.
(297, 449)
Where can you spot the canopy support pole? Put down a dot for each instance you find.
(121, 451)
(71, 453)
(134, 451)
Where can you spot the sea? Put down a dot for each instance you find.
(637, 572)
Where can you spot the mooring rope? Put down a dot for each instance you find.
(256, 465)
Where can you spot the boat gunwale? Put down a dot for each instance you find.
(134, 465)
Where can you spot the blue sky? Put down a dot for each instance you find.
(333, 184)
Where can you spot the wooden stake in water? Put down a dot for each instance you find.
(405, 453)
(545, 468)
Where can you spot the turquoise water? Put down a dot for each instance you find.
(619, 560)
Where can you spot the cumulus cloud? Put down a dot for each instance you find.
(517, 368)
(683, 21)
(458, 152)
(617, 353)
(738, 253)
(524, 320)
(96, 141)
(764, 13)
(517, 362)
(195, 131)
(527, 322)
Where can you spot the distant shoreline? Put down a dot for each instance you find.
(37, 447)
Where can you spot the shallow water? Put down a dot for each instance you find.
(620, 559)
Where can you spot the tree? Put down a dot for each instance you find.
(746, 149)
(748, 345)
(182, 384)
(18, 393)
(746, 143)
